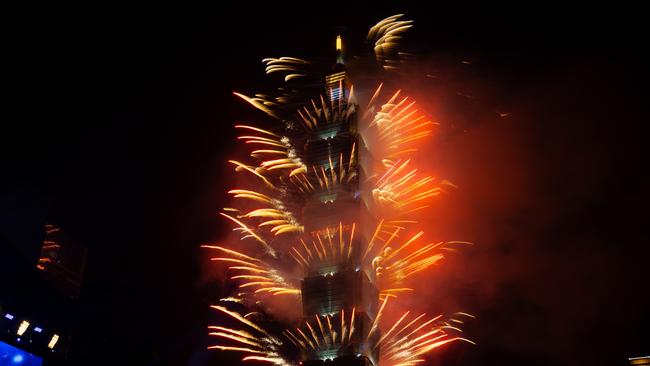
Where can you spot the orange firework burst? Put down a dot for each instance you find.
(333, 196)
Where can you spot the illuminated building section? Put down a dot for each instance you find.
(335, 288)
(23, 327)
(37, 315)
(25, 338)
(62, 261)
(53, 341)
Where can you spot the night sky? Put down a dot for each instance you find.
(118, 124)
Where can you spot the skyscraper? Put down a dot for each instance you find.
(336, 286)
(326, 215)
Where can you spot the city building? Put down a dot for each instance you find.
(336, 286)
(38, 304)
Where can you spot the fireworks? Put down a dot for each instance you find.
(334, 195)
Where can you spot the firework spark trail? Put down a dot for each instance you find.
(264, 347)
(323, 250)
(282, 176)
(254, 272)
(404, 342)
(420, 339)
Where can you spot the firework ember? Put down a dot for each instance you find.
(333, 192)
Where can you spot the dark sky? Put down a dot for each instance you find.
(117, 126)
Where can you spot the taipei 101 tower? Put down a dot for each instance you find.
(338, 287)
(327, 217)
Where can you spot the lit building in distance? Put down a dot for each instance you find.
(62, 262)
(39, 310)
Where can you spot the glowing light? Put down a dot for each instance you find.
(9, 316)
(23, 327)
(53, 341)
(339, 43)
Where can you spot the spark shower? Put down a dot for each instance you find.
(327, 215)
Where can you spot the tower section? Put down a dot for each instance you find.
(335, 290)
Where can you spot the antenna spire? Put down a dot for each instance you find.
(339, 50)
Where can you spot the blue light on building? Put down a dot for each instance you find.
(10, 355)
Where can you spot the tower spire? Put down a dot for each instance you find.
(335, 83)
(339, 50)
